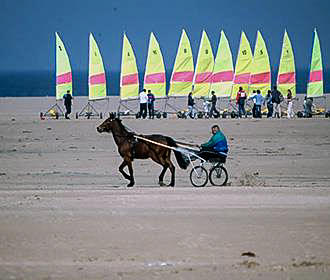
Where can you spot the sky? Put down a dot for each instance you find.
(28, 26)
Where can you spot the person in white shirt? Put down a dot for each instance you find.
(143, 103)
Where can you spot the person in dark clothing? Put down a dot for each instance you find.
(191, 106)
(269, 104)
(240, 100)
(309, 107)
(67, 103)
(151, 103)
(213, 105)
(277, 98)
(254, 93)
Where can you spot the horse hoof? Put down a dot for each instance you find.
(171, 185)
(161, 184)
(130, 185)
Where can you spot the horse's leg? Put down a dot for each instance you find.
(130, 169)
(172, 169)
(160, 160)
(161, 176)
(121, 170)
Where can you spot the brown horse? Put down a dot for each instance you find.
(129, 147)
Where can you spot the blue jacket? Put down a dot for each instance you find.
(218, 142)
(258, 99)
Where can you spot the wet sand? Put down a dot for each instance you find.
(65, 212)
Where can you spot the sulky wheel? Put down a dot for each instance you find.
(218, 176)
(198, 176)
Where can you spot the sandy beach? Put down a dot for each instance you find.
(65, 212)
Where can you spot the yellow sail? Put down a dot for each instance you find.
(286, 78)
(154, 77)
(243, 66)
(183, 70)
(63, 70)
(260, 78)
(204, 67)
(223, 71)
(129, 79)
(96, 78)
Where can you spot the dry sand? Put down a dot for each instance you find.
(65, 212)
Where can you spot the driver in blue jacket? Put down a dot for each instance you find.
(217, 143)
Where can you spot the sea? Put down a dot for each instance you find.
(42, 83)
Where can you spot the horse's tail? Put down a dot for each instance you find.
(182, 162)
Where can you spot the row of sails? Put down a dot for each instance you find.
(252, 70)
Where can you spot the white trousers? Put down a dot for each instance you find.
(290, 110)
(277, 110)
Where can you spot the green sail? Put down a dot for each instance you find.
(315, 84)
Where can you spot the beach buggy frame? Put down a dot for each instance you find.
(206, 165)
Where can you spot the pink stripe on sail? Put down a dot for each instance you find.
(316, 76)
(130, 79)
(260, 78)
(203, 78)
(64, 78)
(97, 79)
(287, 78)
(186, 76)
(156, 78)
(242, 79)
(225, 76)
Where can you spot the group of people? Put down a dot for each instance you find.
(273, 100)
(210, 109)
(147, 103)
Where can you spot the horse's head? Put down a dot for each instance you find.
(108, 125)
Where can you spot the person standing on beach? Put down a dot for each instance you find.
(253, 98)
(67, 103)
(309, 107)
(213, 105)
(240, 100)
(151, 104)
(259, 100)
(289, 99)
(191, 106)
(277, 98)
(143, 103)
(269, 104)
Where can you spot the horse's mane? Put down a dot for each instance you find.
(123, 127)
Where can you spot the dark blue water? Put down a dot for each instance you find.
(42, 83)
